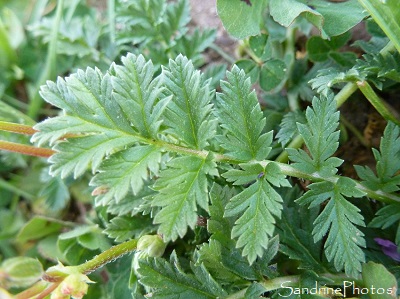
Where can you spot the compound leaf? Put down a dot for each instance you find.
(386, 217)
(180, 188)
(142, 17)
(168, 280)
(340, 218)
(240, 115)
(289, 126)
(125, 171)
(123, 228)
(86, 98)
(296, 240)
(188, 115)
(321, 139)
(137, 94)
(176, 17)
(132, 204)
(387, 163)
(257, 205)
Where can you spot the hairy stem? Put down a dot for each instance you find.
(26, 149)
(106, 257)
(203, 154)
(16, 128)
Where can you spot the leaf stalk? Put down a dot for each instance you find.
(377, 102)
(106, 257)
(16, 128)
(26, 149)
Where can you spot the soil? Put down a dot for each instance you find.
(204, 15)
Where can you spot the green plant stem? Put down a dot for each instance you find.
(354, 130)
(340, 98)
(344, 94)
(289, 58)
(15, 113)
(296, 142)
(26, 149)
(111, 19)
(203, 154)
(222, 53)
(285, 168)
(50, 66)
(34, 290)
(253, 56)
(386, 16)
(17, 104)
(18, 191)
(105, 257)
(48, 290)
(16, 128)
(37, 11)
(315, 177)
(377, 102)
(42, 288)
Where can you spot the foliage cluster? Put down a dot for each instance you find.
(161, 176)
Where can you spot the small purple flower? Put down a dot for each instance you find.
(388, 248)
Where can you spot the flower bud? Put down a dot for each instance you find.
(74, 285)
(151, 245)
(56, 294)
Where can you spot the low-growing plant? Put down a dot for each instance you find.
(205, 188)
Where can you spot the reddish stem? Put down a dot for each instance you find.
(17, 128)
(48, 291)
(34, 290)
(26, 149)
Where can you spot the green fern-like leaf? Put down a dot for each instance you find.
(176, 18)
(90, 111)
(188, 116)
(327, 78)
(125, 171)
(387, 163)
(220, 255)
(296, 240)
(289, 126)
(340, 218)
(257, 205)
(193, 45)
(321, 139)
(181, 187)
(137, 94)
(132, 204)
(123, 228)
(241, 117)
(381, 66)
(142, 17)
(386, 217)
(168, 280)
